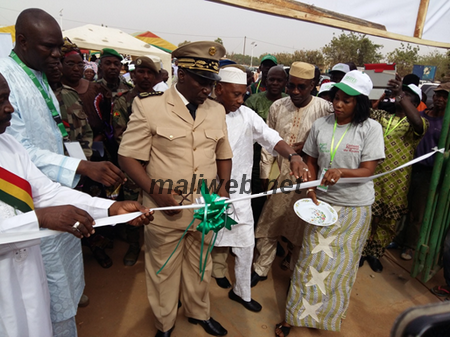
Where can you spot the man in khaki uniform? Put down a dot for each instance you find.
(183, 136)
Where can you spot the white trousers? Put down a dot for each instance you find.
(242, 268)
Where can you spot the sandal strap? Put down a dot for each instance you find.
(284, 329)
(441, 288)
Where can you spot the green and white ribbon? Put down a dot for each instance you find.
(213, 217)
(212, 213)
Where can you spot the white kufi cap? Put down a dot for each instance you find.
(233, 75)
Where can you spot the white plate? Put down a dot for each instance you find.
(319, 215)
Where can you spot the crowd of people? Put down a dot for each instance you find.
(84, 139)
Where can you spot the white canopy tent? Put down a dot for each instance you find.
(97, 37)
(6, 44)
(423, 22)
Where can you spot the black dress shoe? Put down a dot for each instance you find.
(211, 326)
(252, 305)
(361, 261)
(256, 278)
(375, 264)
(164, 334)
(223, 282)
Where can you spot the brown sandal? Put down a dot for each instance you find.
(282, 330)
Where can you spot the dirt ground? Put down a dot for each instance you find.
(119, 306)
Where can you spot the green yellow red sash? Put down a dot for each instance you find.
(15, 191)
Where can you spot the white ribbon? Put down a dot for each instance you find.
(12, 237)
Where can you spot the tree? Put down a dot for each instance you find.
(219, 40)
(310, 56)
(351, 47)
(282, 58)
(183, 43)
(405, 57)
(441, 61)
(243, 59)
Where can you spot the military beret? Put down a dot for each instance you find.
(145, 62)
(109, 52)
(201, 57)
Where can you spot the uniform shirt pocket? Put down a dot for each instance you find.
(212, 136)
(169, 140)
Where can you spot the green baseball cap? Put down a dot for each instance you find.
(270, 58)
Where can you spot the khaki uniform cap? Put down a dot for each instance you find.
(145, 62)
(201, 57)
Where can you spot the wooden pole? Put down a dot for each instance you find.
(296, 10)
(421, 16)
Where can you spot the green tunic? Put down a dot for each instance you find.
(391, 191)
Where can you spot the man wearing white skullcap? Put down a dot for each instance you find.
(245, 127)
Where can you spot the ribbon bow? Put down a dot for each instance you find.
(213, 217)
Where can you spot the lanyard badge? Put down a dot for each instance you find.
(332, 154)
(44, 94)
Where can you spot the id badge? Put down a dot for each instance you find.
(322, 187)
(75, 151)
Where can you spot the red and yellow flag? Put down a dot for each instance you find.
(15, 191)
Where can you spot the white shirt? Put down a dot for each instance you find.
(161, 86)
(24, 294)
(32, 124)
(245, 127)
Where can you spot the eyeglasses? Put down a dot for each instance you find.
(300, 87)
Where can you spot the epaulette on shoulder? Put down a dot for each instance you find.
(150, 94)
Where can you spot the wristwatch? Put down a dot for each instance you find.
(292, 154)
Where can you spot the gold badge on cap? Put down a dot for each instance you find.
(138, 62)
(212, 51)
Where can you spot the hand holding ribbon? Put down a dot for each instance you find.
(213, 217)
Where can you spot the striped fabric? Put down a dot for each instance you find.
(321, 284)
(15, 191)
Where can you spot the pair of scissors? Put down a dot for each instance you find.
(185, 197)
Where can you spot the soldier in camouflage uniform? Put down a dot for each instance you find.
(76, 122)
(110, 65)
(144, 78)
(72, 112)
(74, 118)
(145, 75)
